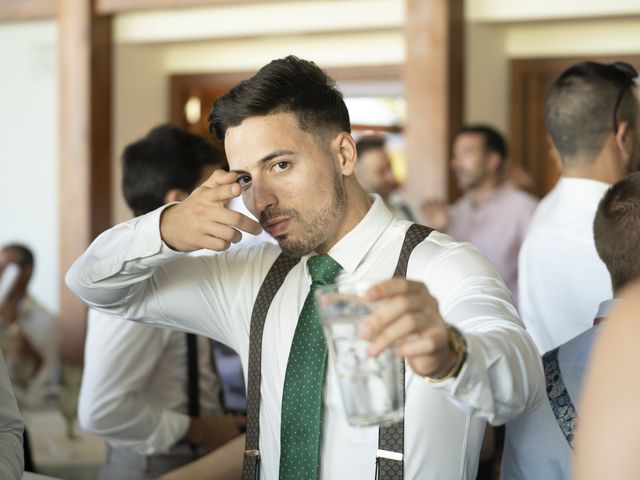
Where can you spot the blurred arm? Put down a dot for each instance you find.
(11, 428)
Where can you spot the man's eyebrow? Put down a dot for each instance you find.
(269, 157)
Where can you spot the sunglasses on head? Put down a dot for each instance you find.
(629, 74)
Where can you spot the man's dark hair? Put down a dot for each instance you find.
(24, 255)
(166, 158)
(369, 142)
(494, 142)
(580, 108)
(286, 85)
(616, 230)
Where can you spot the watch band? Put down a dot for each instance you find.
(459, 346)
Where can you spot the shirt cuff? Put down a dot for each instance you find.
(466, 389)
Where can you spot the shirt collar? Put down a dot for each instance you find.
(581, 193)
(351, 249)
(605, 307)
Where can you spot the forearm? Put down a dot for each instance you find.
(118, 263)
(502, 374)
(225, 463)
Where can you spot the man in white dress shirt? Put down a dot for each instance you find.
(287, 139)
(540, 443)
(592, 116)
(136, 391)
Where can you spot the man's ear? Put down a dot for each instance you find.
(175, 195)
(624, 142)
(345, 149)
(493, 161)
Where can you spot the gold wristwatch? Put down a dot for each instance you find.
(459, 346)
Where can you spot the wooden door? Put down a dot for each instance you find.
(531, 147)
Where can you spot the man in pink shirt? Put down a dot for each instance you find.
(492, 214)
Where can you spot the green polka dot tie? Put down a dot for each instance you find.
(302, 396)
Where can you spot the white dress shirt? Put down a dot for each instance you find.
(562, 280)
(128, 270)
(11, 428)
(134, 384)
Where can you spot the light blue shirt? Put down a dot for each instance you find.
(535, 447)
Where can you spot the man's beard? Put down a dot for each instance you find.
(313, 231)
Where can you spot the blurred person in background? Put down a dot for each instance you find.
(29, 331)
(493, 214)
(539, 444)
(592, 116)
(374, 173)
(152, 393)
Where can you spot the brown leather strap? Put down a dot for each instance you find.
(391, 438)
(272, 283)
(193, 376)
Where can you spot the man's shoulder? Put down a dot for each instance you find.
(438, 247)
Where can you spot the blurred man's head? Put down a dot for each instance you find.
(616, 230)
(592, 109)
(166, 165)
(373, 170)
(479, 156)
(287, 135)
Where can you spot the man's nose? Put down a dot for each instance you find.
(263, 197)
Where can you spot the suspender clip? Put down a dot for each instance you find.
(389, 455)
(252, 453)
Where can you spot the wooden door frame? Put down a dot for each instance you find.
(179, 82)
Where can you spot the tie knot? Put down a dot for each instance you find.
(323, 269)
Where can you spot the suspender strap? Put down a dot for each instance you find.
(558, 395)
(272, 283)
(193, 385)
(390, 457)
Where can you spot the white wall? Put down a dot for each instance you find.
(140, 101)
(29, 148)
(486, 76)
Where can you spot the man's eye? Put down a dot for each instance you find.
(282, 165)
(244, 180)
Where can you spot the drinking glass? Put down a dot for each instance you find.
(371, 387)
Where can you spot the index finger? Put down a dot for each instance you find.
(240, 221)
(220, 177)
(394, 286)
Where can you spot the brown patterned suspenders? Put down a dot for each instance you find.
(389, 459)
